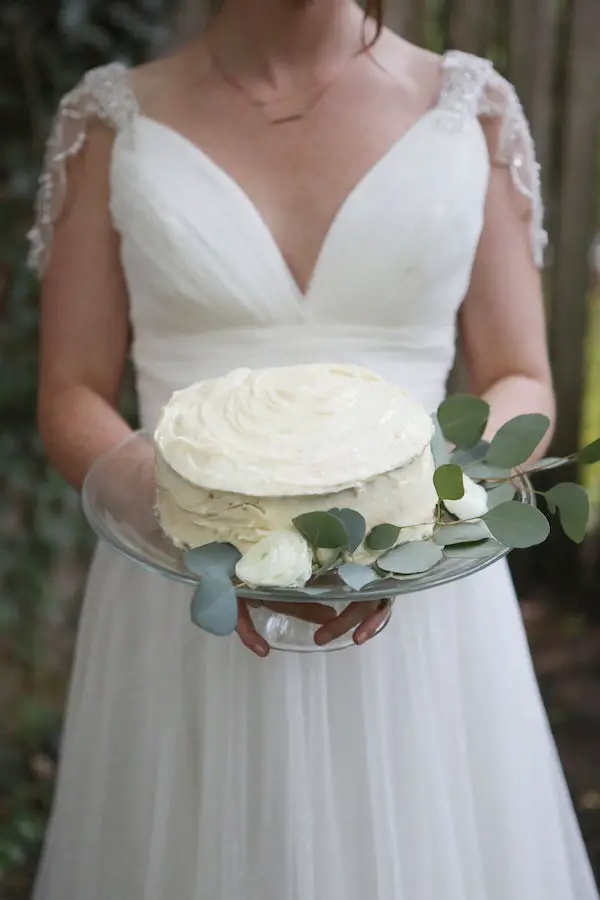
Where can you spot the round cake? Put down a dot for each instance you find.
(241, 456)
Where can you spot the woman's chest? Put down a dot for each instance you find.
(299, 174)
(399, 249)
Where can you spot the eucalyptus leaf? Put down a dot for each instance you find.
(517, 525)
(216, 560)
(356, 576)
(515, 441)
(464, 457)
(355, 525)
(463, 419)
(448, 482)
(591, 453)
(481, 471)
(502, 493)
(546, 464)
(573, 506)
(461, 533)
(322, 530)
(478, 550)
(382, 537)
(439, 449)
(411, 559)
(214, 605)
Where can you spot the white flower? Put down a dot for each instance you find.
(326, 558)
(474, 503)
(281, 559)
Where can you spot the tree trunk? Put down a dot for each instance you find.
(576, 221)
(542, 91)
(521, 39)
(533, 46)
(472, 25)
(408, 18)
(190, 16)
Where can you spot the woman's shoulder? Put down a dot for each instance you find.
(103, 93)
(116, 92)
(457, 80)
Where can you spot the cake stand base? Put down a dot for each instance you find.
(287, 633)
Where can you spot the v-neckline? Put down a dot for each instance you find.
(302, 295)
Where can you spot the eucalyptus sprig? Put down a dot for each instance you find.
(339, 537)
(462, 422)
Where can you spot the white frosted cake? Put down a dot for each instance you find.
(241, 456)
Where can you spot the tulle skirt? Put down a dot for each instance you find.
(419, 767)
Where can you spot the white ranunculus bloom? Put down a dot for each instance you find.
(474, 503)
(281, 559)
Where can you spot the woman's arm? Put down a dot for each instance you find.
(502, 325)
(84, 321)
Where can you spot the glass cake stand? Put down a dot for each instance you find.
(118, 501)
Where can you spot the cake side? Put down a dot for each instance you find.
(193, 516)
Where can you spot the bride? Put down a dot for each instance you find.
(296, 184)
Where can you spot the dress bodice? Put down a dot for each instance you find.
(209, 288)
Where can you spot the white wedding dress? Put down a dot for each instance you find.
(420, 767)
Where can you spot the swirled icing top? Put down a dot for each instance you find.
(290, 431)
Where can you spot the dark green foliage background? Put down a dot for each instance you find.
(45, 46)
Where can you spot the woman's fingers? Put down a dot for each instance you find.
(352, 616)
(316, 613)
(373, 623)
(368, 615)
(248, 633)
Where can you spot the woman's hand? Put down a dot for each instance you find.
(366, 617)
(314, 613)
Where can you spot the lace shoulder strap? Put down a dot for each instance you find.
(471, 88)
(103, 94)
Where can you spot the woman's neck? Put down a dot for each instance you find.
(268, 39)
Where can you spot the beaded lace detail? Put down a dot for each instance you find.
(472, 87)
(103, 94)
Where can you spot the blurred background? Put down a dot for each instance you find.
(550, 49)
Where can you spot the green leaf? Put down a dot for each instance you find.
(463, 419)
(546, 464)
(517, 525)
(214, 606)
(322, 530)
(464, 457)
(356, 576)
(481, 471)
(448, 481)
(478, 550)
(573, 506)
(590, 454)
(514, 443)
(215, 560)
(411, 559)
(462, 533)
(355, 525)
(439, 449)
(502, 493)
(382, 537)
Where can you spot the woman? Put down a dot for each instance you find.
(296, 185)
